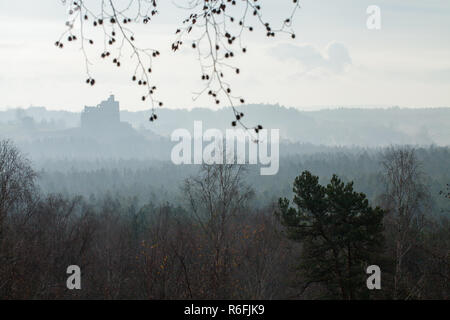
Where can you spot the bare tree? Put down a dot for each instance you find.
(214, 28)
(17, 190)
(17, 180)
(216, 196)
(406, 200)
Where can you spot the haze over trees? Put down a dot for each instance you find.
(44, 134)
(214, 241)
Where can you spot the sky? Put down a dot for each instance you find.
(334, 61)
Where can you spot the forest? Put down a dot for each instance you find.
(141, 230)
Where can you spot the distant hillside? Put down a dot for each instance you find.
(363, 127)
(333, 127)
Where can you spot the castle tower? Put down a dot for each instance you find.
(106, 115)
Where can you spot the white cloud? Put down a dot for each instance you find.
(335, 58)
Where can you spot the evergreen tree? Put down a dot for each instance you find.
(341, 234)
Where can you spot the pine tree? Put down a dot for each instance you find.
(341, 234)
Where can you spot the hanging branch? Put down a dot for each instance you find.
(211, 27)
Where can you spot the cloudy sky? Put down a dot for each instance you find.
(335, 59)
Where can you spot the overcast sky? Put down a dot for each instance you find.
(334, 60)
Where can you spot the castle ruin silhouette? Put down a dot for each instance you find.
(105, 117)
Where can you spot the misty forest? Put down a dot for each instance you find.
(96, 186)
(110, 200)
